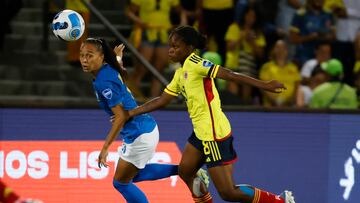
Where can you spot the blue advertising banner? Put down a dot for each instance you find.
(344, 170)
(317, 156)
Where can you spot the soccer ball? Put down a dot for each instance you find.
(68, 25)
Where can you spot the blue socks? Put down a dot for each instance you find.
(130, 192)
(156, 171)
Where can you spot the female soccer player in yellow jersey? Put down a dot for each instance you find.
(211, 140)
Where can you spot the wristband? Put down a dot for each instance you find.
(118, 58)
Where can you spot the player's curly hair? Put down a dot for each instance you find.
(190, 36)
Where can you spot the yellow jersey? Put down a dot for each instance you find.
(156, 14)
(289, 75)
(195, 81)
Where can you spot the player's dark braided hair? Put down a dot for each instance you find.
(190, 36)
(109, 55)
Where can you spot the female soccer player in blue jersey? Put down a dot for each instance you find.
(211, 142)
(140, 133)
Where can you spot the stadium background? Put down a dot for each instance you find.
(303, 152)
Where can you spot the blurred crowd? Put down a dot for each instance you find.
(312, 46)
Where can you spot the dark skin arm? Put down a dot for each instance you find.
(156, 103)
(229, 75)
(223, 73)
(119, 119)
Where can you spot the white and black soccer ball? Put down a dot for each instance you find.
(68, 25)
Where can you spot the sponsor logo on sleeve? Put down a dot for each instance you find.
(107, 93)
(207, 64)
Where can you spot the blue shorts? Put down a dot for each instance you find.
(216, 153)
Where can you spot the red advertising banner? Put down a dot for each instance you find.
(67, 171)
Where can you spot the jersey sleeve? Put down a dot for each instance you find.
(206, 68)
(173, 87)
(111, 92)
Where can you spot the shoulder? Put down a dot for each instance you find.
(349, 88)
(322, 88)
(268, 65)
(177, 72)
(234, 26)
(193, 60)
(310, 62)
(233, 30)
(106, 74)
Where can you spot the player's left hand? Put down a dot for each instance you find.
(102, 158)
(274, 86)
(119, 50)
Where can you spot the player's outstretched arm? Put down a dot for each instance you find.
(271, 86)
(153, 104)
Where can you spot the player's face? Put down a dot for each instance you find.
(91, 58)
(178, 50)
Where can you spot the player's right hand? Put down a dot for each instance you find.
(102, 158)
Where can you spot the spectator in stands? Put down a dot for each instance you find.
(245, 44)
(322, 54)
(268, 10)
(286, 11)
(304, 93)
(74, 47)
(356, 46)
(283, 70)
(191, 10)
(347, 26)
(357, 85)
(7, 195)
(356, 70)
(150, 34)
(217, 15)
(334, 94)
(8, 10)
(309, 25)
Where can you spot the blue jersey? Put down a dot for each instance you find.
(111, 91)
